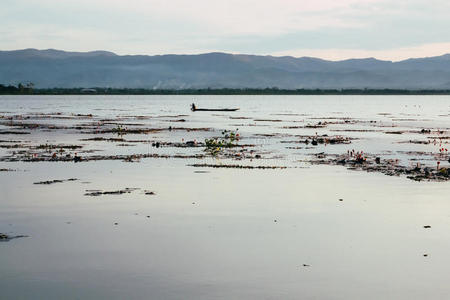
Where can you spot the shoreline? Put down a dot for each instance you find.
(12, 90)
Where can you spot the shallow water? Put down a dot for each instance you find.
(225, 233)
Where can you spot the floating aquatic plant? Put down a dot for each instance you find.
(215, 146)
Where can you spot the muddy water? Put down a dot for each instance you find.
(306, 231)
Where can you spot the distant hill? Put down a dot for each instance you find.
(55, 68)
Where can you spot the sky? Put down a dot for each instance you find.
(329, 29)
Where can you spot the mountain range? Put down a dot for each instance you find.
(56, 68)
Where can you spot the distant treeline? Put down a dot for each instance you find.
(20, 89)
(28, 89)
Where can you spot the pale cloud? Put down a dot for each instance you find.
(239, 17)
(232, 17)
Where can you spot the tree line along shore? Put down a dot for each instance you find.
(29, 89)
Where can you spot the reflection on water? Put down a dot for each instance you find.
(307, 231)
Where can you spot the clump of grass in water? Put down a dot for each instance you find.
(119, 130)
(215, 146)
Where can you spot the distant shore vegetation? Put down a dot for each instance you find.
(29, 89)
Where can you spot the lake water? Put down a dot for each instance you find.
(306, 231)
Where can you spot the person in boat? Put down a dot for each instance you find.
(193, 107)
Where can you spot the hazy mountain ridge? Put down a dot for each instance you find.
(55, 68)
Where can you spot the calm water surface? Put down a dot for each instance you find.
(226, 233)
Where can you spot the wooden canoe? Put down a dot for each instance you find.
(215, 109)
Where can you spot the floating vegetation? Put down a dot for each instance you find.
(117, 192)
(322, 139)
(97, 139)
(367, 162)
(267, 120)
(55, 181)
(14, 146)
(197, 143)
(128, 158)
(119, 130)
(239, 118)
(5, 132)
(236, 166)
(58, 146)
(215, 146)
(415, 142)
(95, 193)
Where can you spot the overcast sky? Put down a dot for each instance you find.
(330, 29)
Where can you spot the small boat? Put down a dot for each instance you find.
(194, 108)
